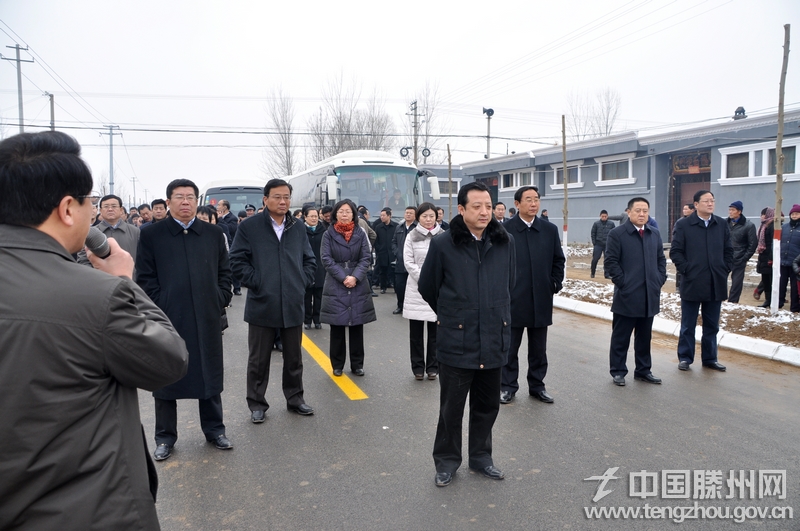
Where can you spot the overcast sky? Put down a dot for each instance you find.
(209, 66)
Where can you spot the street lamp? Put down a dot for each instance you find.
(489, 113)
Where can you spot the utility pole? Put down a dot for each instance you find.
(133, 181)
(449, 184)
(565, 210)
(779, 159)
(52, 112)
(19, 81)
(111, 134)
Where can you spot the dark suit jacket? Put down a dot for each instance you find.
(703, 256)
(187, 274)
(383, 242)
(540, 272)
(637, 267)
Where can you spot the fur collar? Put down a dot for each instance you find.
(461, 235)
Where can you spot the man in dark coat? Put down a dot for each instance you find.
(273, 259)
(635, 263)
(313, 298)
(540, 273)
(600, 230)
(75, 344)
(467, 278)
(701, 250)
(182, 264)
(384, 228)
(398, 245)
(744, 240)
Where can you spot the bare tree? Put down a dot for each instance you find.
(592, 117)
(279, 158)
(342, 124)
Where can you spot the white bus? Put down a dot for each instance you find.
(368, 178)
(237, 192)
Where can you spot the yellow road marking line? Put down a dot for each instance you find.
(348, 387)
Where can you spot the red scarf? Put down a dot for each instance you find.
(345, 229)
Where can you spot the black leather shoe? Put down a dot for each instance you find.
(307, 326)
(443, 479)
(432, 375)
(237, 291)
(397, 311)
(506, 397)
(318, 326)
(163, 451)
(302, 409)
(278, 346)
(683, 366)
(490, 472)
(374, 294)
(544, 396)
(619, 380)
(383, 291)
(222, 443)
(419, 376)
(649, 378)
(258, 416)
(358, 372)
(337, 372)
(716, 366)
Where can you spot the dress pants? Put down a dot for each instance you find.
(621, 329)
(788, 277)
(313, 302)
(400, 281)
(737, 282)
(338, 350)
(537, 360)
(167, 419)
(597, 252)
(383, 276)
(260, 341)
(483, 388)
(766, 287)
(708, 343)
(416, 330)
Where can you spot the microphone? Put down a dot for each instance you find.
(97, 242)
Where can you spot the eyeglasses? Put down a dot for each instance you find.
(181, 197)
(281, 197)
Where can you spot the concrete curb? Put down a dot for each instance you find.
(747, 345)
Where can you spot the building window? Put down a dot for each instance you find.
(507, 180)
(525, 178)
(573, 175)
(615, 170)
(448, 189)
(756, 163)
(788, 161)
(738, 165)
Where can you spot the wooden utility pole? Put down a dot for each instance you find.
(449, 184)
(564, 210)
(779, 159)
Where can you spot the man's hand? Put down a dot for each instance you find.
(118, 263)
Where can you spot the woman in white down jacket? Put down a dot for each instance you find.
(415, 309)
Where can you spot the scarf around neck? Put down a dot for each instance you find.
(769, 218)
(345, 229)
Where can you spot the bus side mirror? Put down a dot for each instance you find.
(435, 193)
(332, 182)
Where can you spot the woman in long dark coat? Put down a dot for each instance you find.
(346, 296)
(313, 298)
(764, 251)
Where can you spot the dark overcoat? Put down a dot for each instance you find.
(399, 244)
(764, 264)
(275, 272)
(703, 256)
(383, 242)
(187, 274)
(315, 240)
(468, 284)
(790, 242)
(637, 267)
(744, 239)
(540, 272)
(342, 306)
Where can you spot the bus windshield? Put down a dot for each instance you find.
(376, 187)
(237, 196)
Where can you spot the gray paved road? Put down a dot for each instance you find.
(367, 464)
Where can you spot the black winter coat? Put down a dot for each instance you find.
(398, 244)
(383, 242)
(275, 272)
(315, 240)
(540, 272)
(744, 240)
(765, 257)
(187, 274)
(468, 284)
(704, 257)
(600, 230)
(637, 267)
(343, 306)
(790, 242)
(232, 222)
